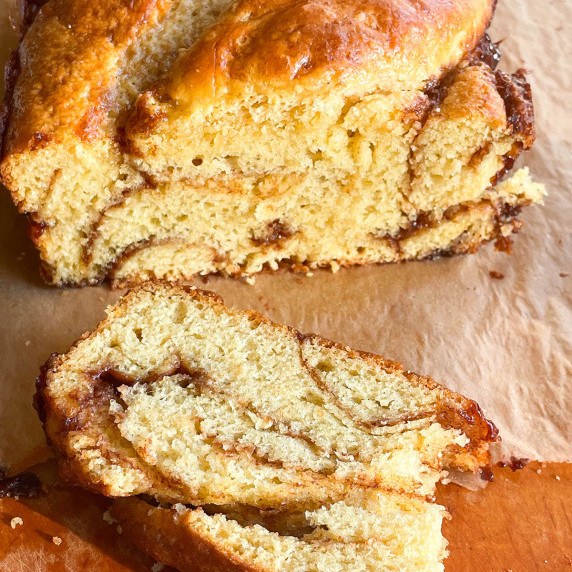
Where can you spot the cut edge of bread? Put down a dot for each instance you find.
(97, 415)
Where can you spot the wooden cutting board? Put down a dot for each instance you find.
(521, 522)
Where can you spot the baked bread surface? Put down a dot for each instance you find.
(59, 98)
(173, 138)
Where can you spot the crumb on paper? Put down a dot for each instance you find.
(309, 274)
(157, 567)
(119, 529)
(250, 280)
(538, 471)
(496, 275)
(56, 540)
(504, 243)
(28, 342)
(108, 518)
(557, 477)
(564, 275)
(16, 521)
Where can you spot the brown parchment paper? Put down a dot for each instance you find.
(506, 343)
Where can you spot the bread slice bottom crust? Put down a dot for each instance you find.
(378, 532)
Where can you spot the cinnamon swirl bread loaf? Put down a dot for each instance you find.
(292, 447)
(165, 139)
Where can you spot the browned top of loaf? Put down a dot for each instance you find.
(406, 42)
(67, 68)
(71, 56)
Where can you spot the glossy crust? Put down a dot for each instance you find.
(70, 55)
(259, 42)
(67, 66)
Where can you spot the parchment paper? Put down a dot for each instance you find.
(506, 343)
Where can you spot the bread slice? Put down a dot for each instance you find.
(380, 532)
(279, 451)
(178, 397)
(182, 137)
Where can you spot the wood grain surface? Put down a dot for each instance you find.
(520, 522)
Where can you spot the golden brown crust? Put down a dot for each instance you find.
(71, 53)
(68, 62)
(405, 43)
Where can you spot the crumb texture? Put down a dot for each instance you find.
(176, 396)
(378, 532)
(275, 450)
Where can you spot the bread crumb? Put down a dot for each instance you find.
(108, 518)
(28, 342)
(16, 521)
(496, 275)
(157, 567)
(538, 471)
(557, 477)
(119, 529)
(56, 540)
(250, 280)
